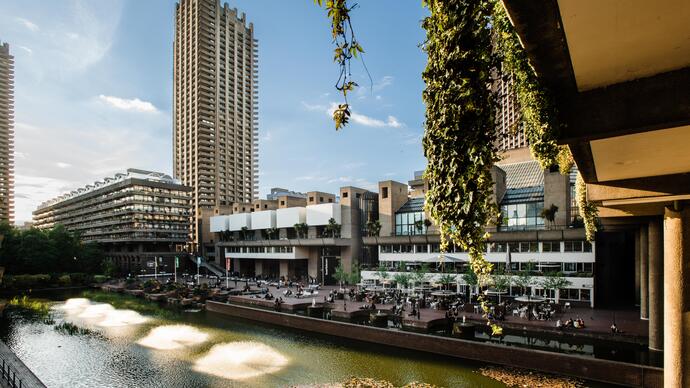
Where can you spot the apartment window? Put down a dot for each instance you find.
(409, 223)
(435, 248)
(330, 200)
(573, 246)
(311, 199)
(384, 192)
(421, 248)
(529, 247)
(320, 199)
(386, 249)
(265, 206)
(587, 246)
(522, 216)
(358, 195)
(345, 194)
(551, 246)
(569, 267)
(282, 203)
(498, 247)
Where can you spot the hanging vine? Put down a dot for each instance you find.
(346, 48)
(587, 209)
(539, 117)
(459, 134)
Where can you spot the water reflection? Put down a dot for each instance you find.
(170, 337)
(241, 360)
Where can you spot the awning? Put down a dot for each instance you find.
(432, 259)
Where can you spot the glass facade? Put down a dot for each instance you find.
(522, 216)
(409, 223)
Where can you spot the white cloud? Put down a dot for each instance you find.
(28, 24)
(342, 179)
(383, 83)
(367, 121)
(63, 165)
(28, 50)
(134, 104)
(311, 107)
(267, 137)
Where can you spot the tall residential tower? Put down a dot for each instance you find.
(6, 134)
(216, 113)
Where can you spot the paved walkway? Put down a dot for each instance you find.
(15, 370)
(597, 322)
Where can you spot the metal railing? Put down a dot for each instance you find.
(10, 375)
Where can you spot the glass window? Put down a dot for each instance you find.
(587, 246)
(421, 248)
(584, 294)
(569, 267)
(551, 246)
(435, 248)
(522, 216)
(409, 223)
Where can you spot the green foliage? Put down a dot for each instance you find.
(549, 213)
(460, 132)
(402, 279)
(127, 302)
(346, 48)
(555, 281)
(588, 210)
(301, 229)
(64, 280)
(470, 278)
(539, 117)
(333, 228)
(40, 308)
(340, 274)
(100, 278)
(420, 274)
(72, 329)
(55, 250)
(374, 228)
(524, 278)
(447, 279)
(501, 281)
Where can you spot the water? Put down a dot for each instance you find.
(132, 349)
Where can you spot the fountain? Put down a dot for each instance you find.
(241, 360)
(172, 337)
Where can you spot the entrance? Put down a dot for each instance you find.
(614, 279)
(330, 258)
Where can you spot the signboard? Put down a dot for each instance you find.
(198, 260)
(150, 264)
(177, 262)
(227, 264)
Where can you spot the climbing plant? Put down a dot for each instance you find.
(346, 48)
(588, 210)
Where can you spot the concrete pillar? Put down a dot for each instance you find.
(655, 259)
(644, 273)
(236, 266)
(638, 298)
(677, 297)
(284, 269)
(258, 267)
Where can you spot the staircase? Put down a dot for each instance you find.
(211, 267)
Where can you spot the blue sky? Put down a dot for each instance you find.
(93, 93)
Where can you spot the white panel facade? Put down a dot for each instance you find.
(320, 214)
(219, 223)
(239, 221)
(264, 219)
(288, 217)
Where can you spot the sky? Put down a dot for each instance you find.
(93, 94)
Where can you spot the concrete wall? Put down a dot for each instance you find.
(590, 368)
(392, 195)
(557, 192)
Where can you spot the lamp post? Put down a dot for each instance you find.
(198, 265)
(177, 264)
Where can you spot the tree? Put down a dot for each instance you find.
(333, 228)
(524, 278)
(446, 280)
(374, 228)
(501, 282)
(402, 279)
(420, 274)
(382, 274)
(555, 281)
(340, 275)
(549, 214)
(271, 233)
(419, 226)
(301, 229)
(470, 278)
(244, 232)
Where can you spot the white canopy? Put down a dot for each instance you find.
(432, 259)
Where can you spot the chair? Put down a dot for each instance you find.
(476, 309)
(516, 312)
(567, 305)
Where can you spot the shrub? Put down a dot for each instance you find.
(100, 278)
(64, 280)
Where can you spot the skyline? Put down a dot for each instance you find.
(93, 71)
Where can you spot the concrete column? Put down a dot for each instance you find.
(637, 269)
(236, 266)
(655, 255)
(644, 273)
(284, 269)
(258, 267)
(677, 297)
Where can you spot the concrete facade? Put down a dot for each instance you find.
(6, 134)
(135, 216)
(215, 109)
